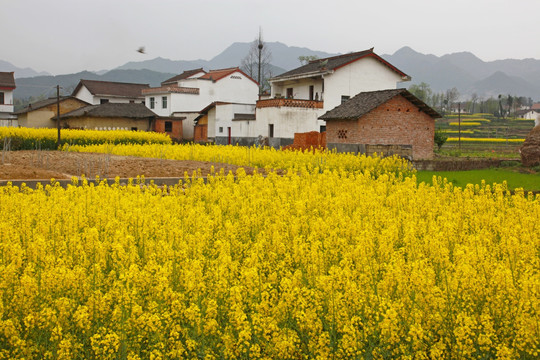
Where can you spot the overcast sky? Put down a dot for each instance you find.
(66, 36)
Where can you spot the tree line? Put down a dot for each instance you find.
(502, 106)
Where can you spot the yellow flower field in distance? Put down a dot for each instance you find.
(321, 265)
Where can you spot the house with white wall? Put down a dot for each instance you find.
(300, 96)
(7, 85)
(187, 94)
(226, 123)
(97, 92)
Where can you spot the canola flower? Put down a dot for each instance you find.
(484, 140)
(40, 138)
(264, 158)
(330, 264)
(465, 123)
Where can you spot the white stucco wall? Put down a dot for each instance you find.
(85, 95)
(223, 118)
(287, 121)
(187, 124)
(7, 106)
(367, 74)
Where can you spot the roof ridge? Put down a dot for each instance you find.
(341, 56)
(113, 82)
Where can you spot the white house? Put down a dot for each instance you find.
(300, 96)
(185, 95)
(220, 120)
(7, 85)
(97, 92)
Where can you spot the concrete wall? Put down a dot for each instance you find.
(366, 74)
(397, 122)
(287, 121)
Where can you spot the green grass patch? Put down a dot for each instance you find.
(514, 179)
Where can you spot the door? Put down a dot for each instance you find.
(229, 135)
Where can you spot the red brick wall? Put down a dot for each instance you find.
(308, 140)
(397, 121)
(176, 133)
(200, 133)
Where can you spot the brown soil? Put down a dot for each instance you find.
(44, 165)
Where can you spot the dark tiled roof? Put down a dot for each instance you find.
(186, 74)
(7, 80)
(321, 66)
(238, 117)
(364, 102)
(170, 89)
(110, 88)
(131, 111)
(43, 103)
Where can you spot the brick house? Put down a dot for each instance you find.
(300, 96)
(386, 121)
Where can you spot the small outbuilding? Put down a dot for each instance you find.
(110, 116)
(42, 114)
(386, 122)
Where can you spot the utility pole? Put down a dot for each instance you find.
(58, 116)
(260, 46)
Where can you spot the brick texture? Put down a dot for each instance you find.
(175, 134)
(396, 122)
(307, 140)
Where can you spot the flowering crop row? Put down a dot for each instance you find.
(484, 140)
(465, 123)
(31, 139)
(326, 265)
(317, 160)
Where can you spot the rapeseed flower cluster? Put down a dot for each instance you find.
(316, 160)
(326, 264)
(41, 138)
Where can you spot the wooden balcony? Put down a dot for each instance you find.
(296, 103)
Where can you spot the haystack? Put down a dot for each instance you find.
(530, 151)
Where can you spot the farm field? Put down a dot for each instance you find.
(338, 257)
(514, 179)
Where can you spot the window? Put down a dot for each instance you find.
(342, 134)
(164, 102)
(103, 101)
(344, 98)
(152, 102)
(270, 130)
(289, 93)
(132, 101)
(2, 98)
(322, 128)
(168, 126)
(220, 129)
(133, 129)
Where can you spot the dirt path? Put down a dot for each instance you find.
(17, 165)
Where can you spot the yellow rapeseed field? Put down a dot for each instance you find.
(322, 264)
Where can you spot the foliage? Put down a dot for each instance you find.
(326, 265)
(440, 138)
(32, 139)
(305, 59)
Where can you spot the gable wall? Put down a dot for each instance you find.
(42, 118)
(389, 124)
(366, 74)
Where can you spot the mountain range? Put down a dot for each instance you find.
(463, 70)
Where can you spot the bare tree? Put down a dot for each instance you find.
(257, 63)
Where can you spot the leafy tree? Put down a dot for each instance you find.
(422, 91)
(251, 62)
(304, 59)
(440, 138)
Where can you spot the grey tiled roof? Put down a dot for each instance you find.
(332, 63)
(111, 88)
(364, 102)
(131, 111)
(182, 76)
(7, 79)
